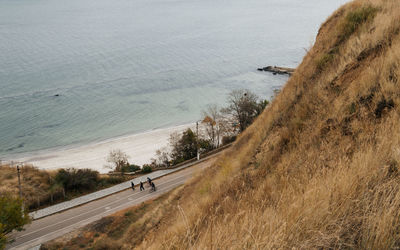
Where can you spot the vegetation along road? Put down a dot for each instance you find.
(51, 227)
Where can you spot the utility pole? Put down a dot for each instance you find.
(19, 180)
(197, 140)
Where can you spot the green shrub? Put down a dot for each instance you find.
(323, 61)
(146, 169)
(185, 148)
(354, 19)
(352, 108)
(112, 180)
(77, 179)
(205, 146)
(13, 216)
(228, 139)
(130, 168)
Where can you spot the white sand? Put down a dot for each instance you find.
(139, 147)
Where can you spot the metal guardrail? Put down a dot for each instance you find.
(202, 156)
(114, 189)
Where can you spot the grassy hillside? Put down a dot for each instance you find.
(319, 168)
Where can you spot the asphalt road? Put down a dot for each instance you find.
(56, 225)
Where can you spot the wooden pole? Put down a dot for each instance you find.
(19, 180)
(197, 140)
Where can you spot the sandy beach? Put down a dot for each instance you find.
(139, 147)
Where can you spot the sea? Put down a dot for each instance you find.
(82, 71)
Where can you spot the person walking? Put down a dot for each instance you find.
(133, 186)
(141, 186)
(149, 181)
(153, 186)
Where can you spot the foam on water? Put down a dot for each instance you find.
(127, 66)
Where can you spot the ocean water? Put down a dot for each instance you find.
(77, 71)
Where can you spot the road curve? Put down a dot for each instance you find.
(56, 225)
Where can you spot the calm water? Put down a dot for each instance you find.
(126, 66)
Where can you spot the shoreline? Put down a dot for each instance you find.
(140, 147)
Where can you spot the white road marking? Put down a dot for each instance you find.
(94, 209)
(104, 206)
(99, 215)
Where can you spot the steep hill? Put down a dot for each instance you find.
(318, 169)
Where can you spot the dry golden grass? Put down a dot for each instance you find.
(320, 167)
(35, 183)
(40, 189)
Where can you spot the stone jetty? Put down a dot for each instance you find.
(277, 70)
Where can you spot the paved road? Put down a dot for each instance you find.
(53, 226)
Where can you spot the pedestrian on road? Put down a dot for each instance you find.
(132, 185)
(153, 187)
(149, 181)
(141, 186)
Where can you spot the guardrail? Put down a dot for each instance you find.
(202, 156)
(117, 188)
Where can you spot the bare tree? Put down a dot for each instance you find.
(243, 107)
(162, 157)
(118, 160)
(174, 139)
(210, 125)
(215, 124)
(228, 125)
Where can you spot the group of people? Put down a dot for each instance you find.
(149, 181)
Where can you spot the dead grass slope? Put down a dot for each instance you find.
(319, 168)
